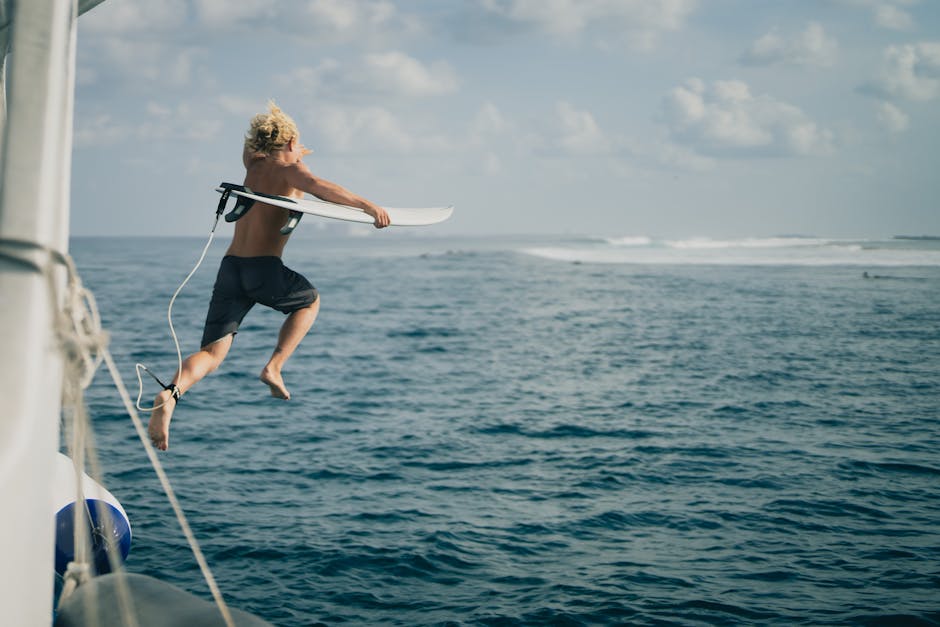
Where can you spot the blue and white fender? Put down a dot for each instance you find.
(102, 511)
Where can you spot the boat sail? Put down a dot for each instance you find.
(36, 110)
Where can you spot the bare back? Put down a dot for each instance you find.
(258, 232)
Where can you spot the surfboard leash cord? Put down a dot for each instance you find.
(175, 392)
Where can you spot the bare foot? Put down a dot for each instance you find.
(276, 383)
(159, 427)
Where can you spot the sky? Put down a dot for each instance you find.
(608, 118)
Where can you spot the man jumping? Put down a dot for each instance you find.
(252, 271)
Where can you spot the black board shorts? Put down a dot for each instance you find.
(244, 281)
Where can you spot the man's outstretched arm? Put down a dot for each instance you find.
(300, 177)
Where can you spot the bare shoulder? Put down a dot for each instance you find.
(297, 168)
(299, 176)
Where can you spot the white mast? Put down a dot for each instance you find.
(34, 208)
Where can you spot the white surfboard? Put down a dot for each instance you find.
(325, 209)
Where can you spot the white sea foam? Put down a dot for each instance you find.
(630, 240)
(804, 251)
(749, 242)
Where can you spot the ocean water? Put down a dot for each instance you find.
(548, 431)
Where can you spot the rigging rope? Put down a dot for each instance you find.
(77, 327)
(85, 346)
(168, 489)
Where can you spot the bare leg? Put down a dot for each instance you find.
(195, 367)
(293, 330)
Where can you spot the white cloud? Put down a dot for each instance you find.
(928, 64)
(889, 14)
(370, 130)
(131, 41)
(312, 79)
(673, 155)
(663, 153)
(145, 63)
(359, 21)
(177, 124)
(157, 122)
(892, 17)
(811, 47)
(387, 74)
(488, 129)
(396, 72)
(572, 134)
(489, 121)
(134, 16)
(345, 130)
(99, 130)
(910, 72)
(344, 15)
(578, 132)
(317, 21)
(640, 21)
(158, 110)
(492, 164)
(892, 118)
(490, 135)
(726, 119)
(240, 106)
(313, 21)
(225, 13)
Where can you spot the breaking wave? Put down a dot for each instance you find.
(781, 250)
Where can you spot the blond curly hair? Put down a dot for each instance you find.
(269, 131)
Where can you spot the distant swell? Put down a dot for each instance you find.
(798, 251)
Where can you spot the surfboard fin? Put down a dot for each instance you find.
(292, 222)
(242, 204)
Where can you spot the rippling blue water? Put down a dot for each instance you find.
(485, 433)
